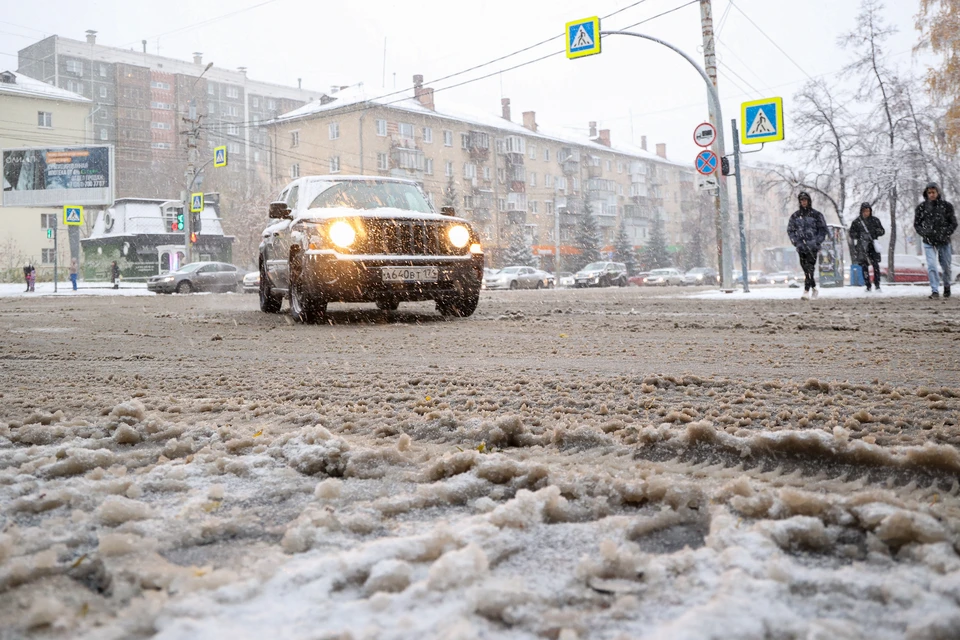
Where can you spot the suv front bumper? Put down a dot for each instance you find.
(359, 278)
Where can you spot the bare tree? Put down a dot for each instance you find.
(879, 86)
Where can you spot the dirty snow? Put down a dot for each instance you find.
(564, 464)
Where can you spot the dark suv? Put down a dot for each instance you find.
(602, 274)
(361, 239)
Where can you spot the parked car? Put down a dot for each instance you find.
(549, 279)
(487, 274)
(907, 268)
(566, 279)
(602, 274)
(780, 277)
(362, 239)
(638, 280)
(701, 276)
(663, 277)
(198, 276)
(251, 282)
(518, 277)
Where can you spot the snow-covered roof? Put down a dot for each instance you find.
(137, 216)
(358, 95)
(32, 88)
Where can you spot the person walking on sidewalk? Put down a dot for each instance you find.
(935, 221)
(73, 273)
(32, 279)
(115, 274)
(864, 232)
(807, 230)
(27, 268)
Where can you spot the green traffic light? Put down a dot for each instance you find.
(179, 222)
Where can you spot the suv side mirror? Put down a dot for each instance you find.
(448, 211)
(279, 210)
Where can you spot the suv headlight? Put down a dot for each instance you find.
(459, 236)
(342, 234)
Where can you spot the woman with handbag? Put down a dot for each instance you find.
(864, 232)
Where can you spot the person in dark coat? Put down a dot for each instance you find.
(935, 221)
(26, 276)
(807, 230)
(863, 231)
(115, 274)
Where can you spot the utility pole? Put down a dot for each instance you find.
(724, 260)
(193, 134)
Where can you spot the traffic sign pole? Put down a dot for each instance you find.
(723, 242)
(743, 231)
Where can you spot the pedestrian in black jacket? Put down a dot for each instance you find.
(863, 232)
(935, 221)
(807, 230)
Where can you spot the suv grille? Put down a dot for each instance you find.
(405, 238)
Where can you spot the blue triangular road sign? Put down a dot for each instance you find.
(73, 215)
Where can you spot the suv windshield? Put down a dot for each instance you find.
(595, 266)
(372, 195)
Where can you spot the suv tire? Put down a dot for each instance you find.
(461, 306)
(269, 303)
(306, 306)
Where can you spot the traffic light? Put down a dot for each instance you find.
(49, 232)
(179, 226)
(195, 222)
(725, 166)
(193, 237)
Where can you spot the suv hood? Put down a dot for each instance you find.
(390, 213)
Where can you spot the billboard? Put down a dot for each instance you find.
(58, 176)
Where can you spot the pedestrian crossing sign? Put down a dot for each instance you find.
(220, 156)
(761, 121)
(72, 215)
(196, 202)
(583, 37)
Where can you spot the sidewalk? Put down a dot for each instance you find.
(16, 290)
(921, 290)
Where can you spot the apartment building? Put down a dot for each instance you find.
(35, 114)
(502, 175)
(139, 101)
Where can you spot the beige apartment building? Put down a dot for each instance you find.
(502, 175)
(36, 114)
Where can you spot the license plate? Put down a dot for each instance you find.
(409, 274)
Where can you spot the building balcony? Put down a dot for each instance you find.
(516, 217)
(517, 186)
(594, 172)
(409, 159)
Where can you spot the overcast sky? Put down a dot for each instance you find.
(342, 43)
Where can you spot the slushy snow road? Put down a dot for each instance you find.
(565, 464)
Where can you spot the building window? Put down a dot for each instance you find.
(160, 145)
(464, 140)
(161, 105)
(406, 130)
(608, 165)
(619, 167)
(468, 202)
(502, 204)
(548, 206)
(619, 189)
(211, 90)
(75, 67)
(103, 71)
(382, 164)
(159, 125)
(103, 92)
(233, 147)
(44, 119)
(546, 155)
(449, 169)
(233, 92)
(295, 170)
(469, 170)
(255, 103)
(428, 166)
(427, 135)
(486, 172)
(256, 156)
(47, 256)
(533, 152)
(448, 138)
(271, 104)
(576, 184)
(334, 130)
(103, 134)
(48, 221)
(532, 179)
(231, 110)
(294, 139)
(160, 85)
(335, 164)
(381, 127)
(548, 180)
(534, 206)
(233, 130)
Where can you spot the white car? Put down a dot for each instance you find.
(663, 277)
(251, 282)
(519, 277)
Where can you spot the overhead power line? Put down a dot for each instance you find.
(772, 41)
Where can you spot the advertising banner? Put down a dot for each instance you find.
(53, 177)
